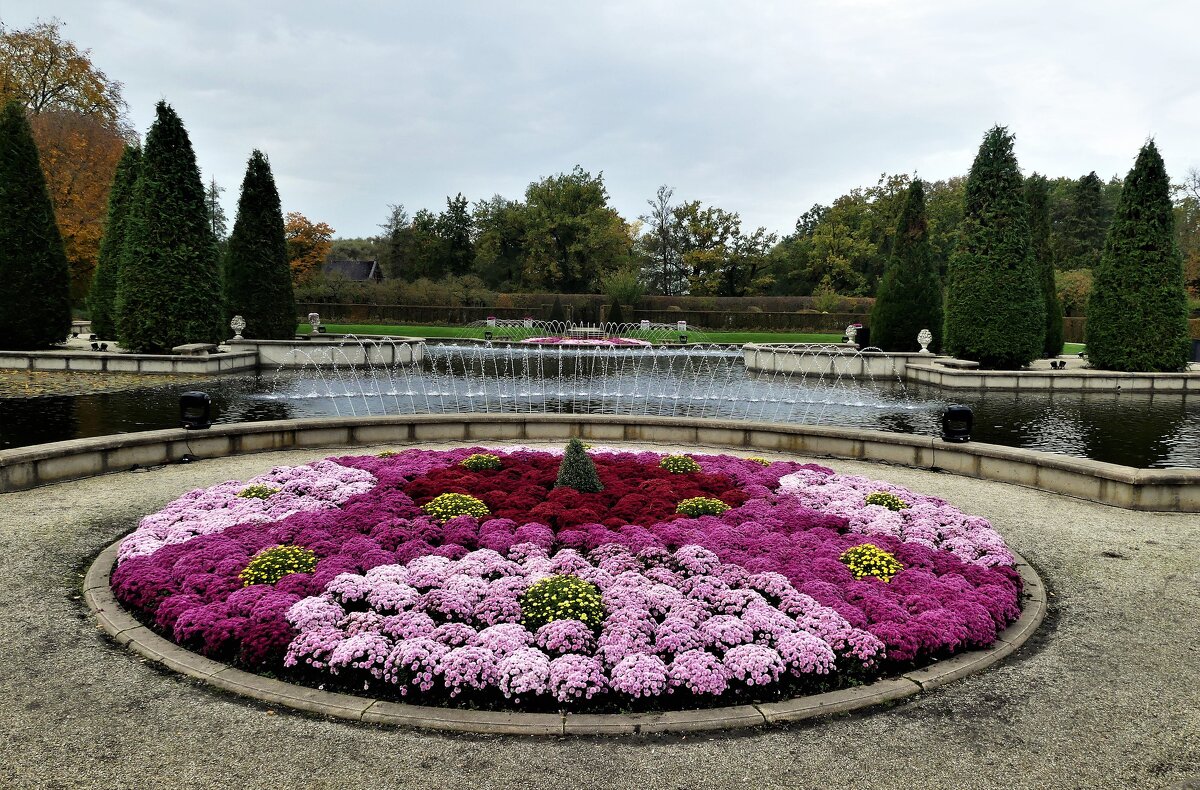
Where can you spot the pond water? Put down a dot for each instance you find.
(1134, 430)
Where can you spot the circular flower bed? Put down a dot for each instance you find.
(580, 341)
(421, 577)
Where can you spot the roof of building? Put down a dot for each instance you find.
(359, 271)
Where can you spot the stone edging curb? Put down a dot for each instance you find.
(127, 631)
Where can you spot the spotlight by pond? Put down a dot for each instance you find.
(195, 410)
(487, 335)
(956, 423)
(683, 339)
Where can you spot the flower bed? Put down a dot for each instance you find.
(579, 341)
(667, 589)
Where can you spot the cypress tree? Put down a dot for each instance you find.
(1037, 196)
(258, 280)
(35, 301)
(909, 297)
(102, 298)
(556, 311)
(169, 291)
(1137, 312)
(1081, 239)
(995, 312)
(577, 470)
(615, 314)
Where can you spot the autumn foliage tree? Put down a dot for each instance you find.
(78, 119)
(307, 245)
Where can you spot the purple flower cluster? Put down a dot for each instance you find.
(663, 628)
(685, 590)
(927, 520)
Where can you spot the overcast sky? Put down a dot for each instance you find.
(759, 108)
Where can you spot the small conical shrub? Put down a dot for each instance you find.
(577, 470)
(170, 285)
(615, 315)
(909, 298)
(556, 311)
(35, 301)
(103, 296)
(995, 311)
(258, 280)
(1137, 312)
(1037, 195)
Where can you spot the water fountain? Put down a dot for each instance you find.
(359, 377)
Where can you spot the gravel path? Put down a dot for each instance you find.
(1106, 695)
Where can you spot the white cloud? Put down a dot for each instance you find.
(761, 108)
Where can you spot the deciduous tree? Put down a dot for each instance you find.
(78, 117)
(308, 243)
(572, 237)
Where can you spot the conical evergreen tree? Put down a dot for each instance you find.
(258, 281)
(995, 312)
(1137, 312)
(1037, 196)
(1081, 237)
(577, 470)
(909, 297)
(35, 301)
(169, 291)
(103, 296)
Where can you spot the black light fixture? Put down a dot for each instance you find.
(487, 335)
(683, 339)
(956, 423)
(195, 410)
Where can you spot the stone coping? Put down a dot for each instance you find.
(127, 631)
(323, 337)
(122, 362)
(834, 348)
(1041, 380)
(1170, 490)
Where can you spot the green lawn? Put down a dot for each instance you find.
(705, 337)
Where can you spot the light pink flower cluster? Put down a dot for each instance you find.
(317, 486)
(927, 520)
(673, 620)
(577, 341)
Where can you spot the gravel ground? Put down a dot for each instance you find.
(1107, 694)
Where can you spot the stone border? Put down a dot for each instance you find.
(927, 369)
(119, 362)
(132, 634)
(1072, 380)
(1170, 490)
